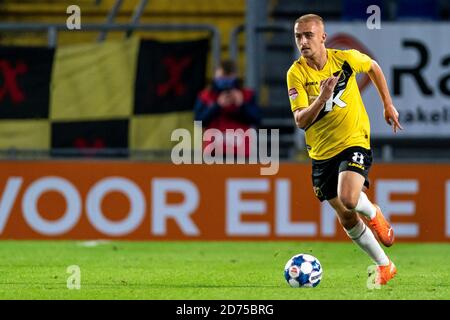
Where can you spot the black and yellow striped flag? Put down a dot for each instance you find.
(128, 94)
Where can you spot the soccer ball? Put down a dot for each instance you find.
(303, 270)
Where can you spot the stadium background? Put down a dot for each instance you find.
(86, 117)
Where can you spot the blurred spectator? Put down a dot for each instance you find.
(226, 104)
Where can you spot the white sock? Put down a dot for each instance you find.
(364, 238)
(365, 207)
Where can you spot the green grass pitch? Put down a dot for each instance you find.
(213, 270)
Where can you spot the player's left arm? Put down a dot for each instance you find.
(390, 113)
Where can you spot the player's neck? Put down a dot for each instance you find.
(318, 61)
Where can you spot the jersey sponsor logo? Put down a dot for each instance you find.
(293, 94)
(335, 100)
(344, 75)
(357, 165)
(311, 83)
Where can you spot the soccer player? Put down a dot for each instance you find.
(326, 103)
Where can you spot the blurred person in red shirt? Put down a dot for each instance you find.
(226, 104)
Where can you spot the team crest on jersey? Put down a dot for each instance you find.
(293, 94)
(318, 192)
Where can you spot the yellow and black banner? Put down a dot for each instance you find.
(24, 97)
(169, 76)
(128, 94)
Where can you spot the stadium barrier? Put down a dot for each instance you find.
(144, 201)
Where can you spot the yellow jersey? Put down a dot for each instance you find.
(343, 121)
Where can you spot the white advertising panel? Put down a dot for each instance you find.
(415, 58)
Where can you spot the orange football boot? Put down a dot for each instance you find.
(382, 228)
(385, 273)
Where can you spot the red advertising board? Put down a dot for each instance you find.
(148, 201)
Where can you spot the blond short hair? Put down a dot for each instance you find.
(310, 17)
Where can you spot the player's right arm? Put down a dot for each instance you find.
(304, 117)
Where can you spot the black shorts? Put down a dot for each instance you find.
(325, 172)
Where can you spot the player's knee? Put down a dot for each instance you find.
(348, 201)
